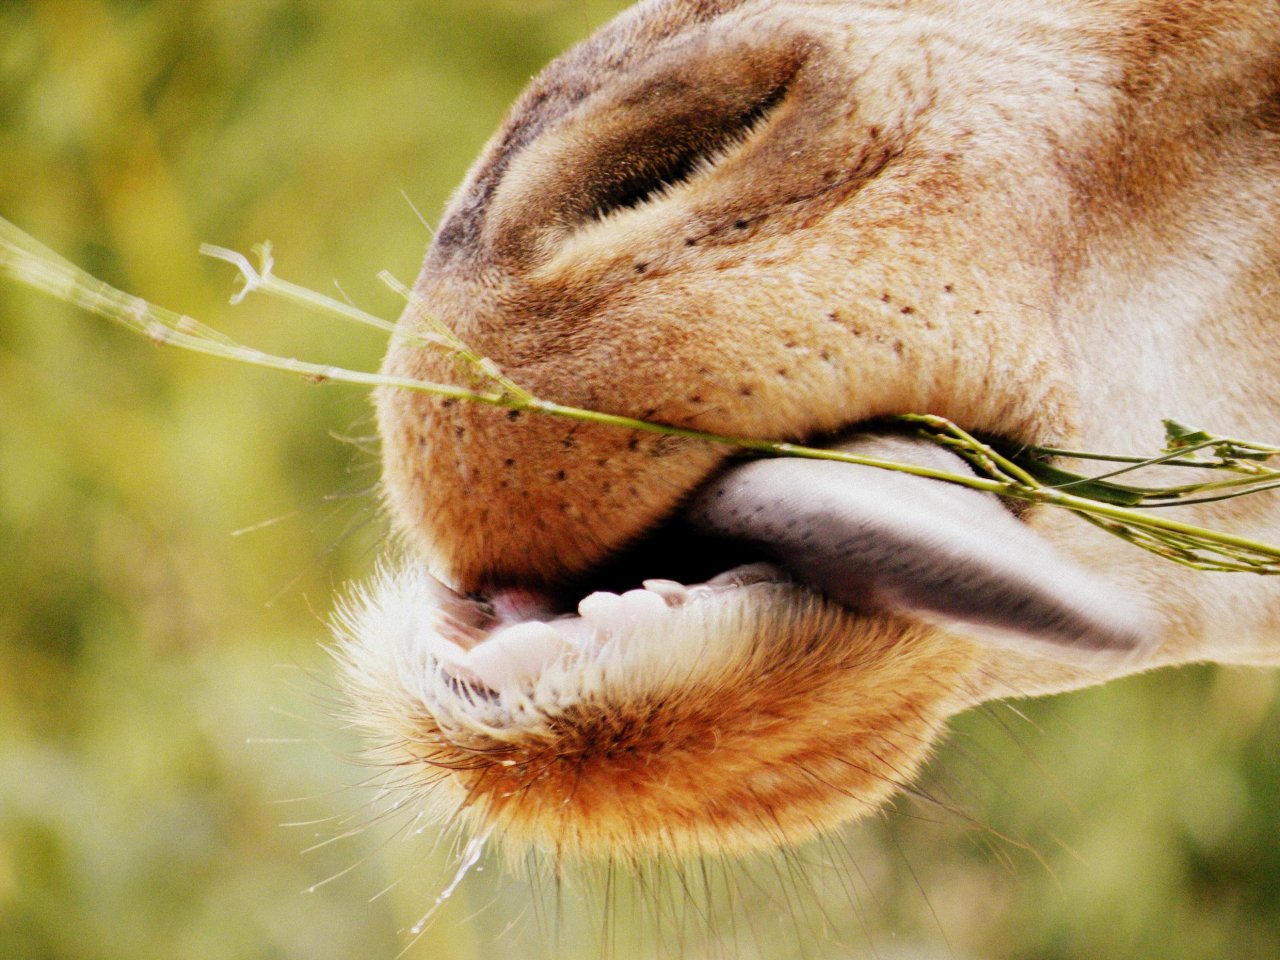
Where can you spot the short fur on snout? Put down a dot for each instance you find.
(1052, 223)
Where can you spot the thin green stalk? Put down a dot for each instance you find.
(266, 281)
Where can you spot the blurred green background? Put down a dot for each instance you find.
(174, 780)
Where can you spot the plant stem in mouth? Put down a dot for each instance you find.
(1119, 509)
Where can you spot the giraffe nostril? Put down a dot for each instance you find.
(645, 170)
(661, 121)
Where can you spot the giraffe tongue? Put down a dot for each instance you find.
(880, 540)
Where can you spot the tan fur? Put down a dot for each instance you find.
(1051, 222)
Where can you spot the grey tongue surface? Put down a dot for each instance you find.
(875, 539)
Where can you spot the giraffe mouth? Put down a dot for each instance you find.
(871, 541)
(788, 641)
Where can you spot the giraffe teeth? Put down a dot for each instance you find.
(672, 592)
(514, 655)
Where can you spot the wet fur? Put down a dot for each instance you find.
(1050, 222)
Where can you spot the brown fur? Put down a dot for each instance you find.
(1051, 222)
